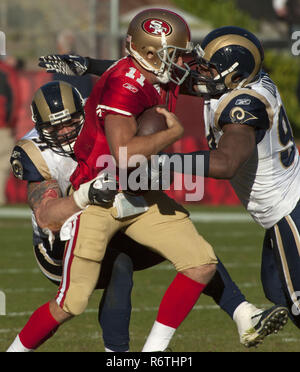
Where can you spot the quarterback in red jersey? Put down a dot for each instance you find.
(125, 90)
(150, 75)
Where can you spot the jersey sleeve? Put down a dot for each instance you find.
(123, 97)
(28, 164)
(244, 108)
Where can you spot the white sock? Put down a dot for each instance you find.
(18, 347)
(159, 337)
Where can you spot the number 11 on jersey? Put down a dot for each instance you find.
(132, 75)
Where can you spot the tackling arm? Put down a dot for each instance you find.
(234, 149)
(50, 208)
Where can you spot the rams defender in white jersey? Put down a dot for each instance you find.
(251, 144)
(43, 158)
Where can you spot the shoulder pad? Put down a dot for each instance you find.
(28, 163)
(244, 106)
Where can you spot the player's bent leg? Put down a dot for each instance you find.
(253, 324)
(224, 291)
(167, 229)
(77, 285)
(284, 240)
(84, 252)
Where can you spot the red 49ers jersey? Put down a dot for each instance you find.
(121, 90)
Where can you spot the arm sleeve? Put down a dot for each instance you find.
(193, 163)
(98, 66)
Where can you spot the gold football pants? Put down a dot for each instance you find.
(165, 228)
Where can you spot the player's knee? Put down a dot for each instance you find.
(77, 306)
(58, 314)
(76, 300)
(201, 274)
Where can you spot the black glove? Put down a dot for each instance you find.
(103, 190)
(99, 191)
(65, 64)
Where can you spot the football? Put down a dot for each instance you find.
(150, 122)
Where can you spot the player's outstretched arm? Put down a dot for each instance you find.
(74, 65)
(52, 210)
(234, 149)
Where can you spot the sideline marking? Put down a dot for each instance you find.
(195, 216)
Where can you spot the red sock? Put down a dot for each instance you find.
(179, 300)
(40, 326)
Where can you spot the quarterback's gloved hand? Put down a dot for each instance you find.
(99, 191)
(65, 64)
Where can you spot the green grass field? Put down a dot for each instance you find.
(237, 242)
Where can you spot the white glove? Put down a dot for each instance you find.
(99, 191)
(64, 64)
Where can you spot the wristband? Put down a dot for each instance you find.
(97, 66)
(206, 155)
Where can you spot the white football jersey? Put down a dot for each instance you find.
(41, 160)
(32, 160)
(268, 184)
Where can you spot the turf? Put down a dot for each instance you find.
(207, 328)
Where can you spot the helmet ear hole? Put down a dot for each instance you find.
(237, 77)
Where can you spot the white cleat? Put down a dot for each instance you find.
(261, 323)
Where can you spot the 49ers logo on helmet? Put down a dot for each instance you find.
(156, 27)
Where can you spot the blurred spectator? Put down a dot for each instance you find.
(66, 44)
(289, 12)
(9, 105)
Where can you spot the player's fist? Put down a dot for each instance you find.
(64, 64)
(172, 122)
(103, 190)
(99, 191)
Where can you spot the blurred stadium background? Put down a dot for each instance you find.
(98, 26)
(32, 29)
